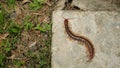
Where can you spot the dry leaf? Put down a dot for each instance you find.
(3, 36)
(33, 44)
(12, 57)
(48, 3)
(18, 10)
(25, 1)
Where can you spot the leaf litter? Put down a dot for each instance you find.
(32, 46)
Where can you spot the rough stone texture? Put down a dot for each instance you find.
(60, 5)
(113, 5)
(93, 5)
(101, 27)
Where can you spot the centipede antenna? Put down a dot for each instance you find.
(68, 18)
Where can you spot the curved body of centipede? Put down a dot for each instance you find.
(82, 39)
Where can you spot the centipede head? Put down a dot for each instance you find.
(66, 21)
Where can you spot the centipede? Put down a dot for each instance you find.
(82, 39)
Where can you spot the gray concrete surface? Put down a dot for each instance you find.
(93, 5)
(111, 5)
(101, 27)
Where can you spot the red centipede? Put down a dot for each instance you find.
(82, 39)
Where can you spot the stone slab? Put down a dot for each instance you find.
(93, 5)
(101, 27)
(98, 5)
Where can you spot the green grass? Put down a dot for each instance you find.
(27, 24)
(36, 4)
(7, 25)
(47, 27)
(18, 63)
(11, 3)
